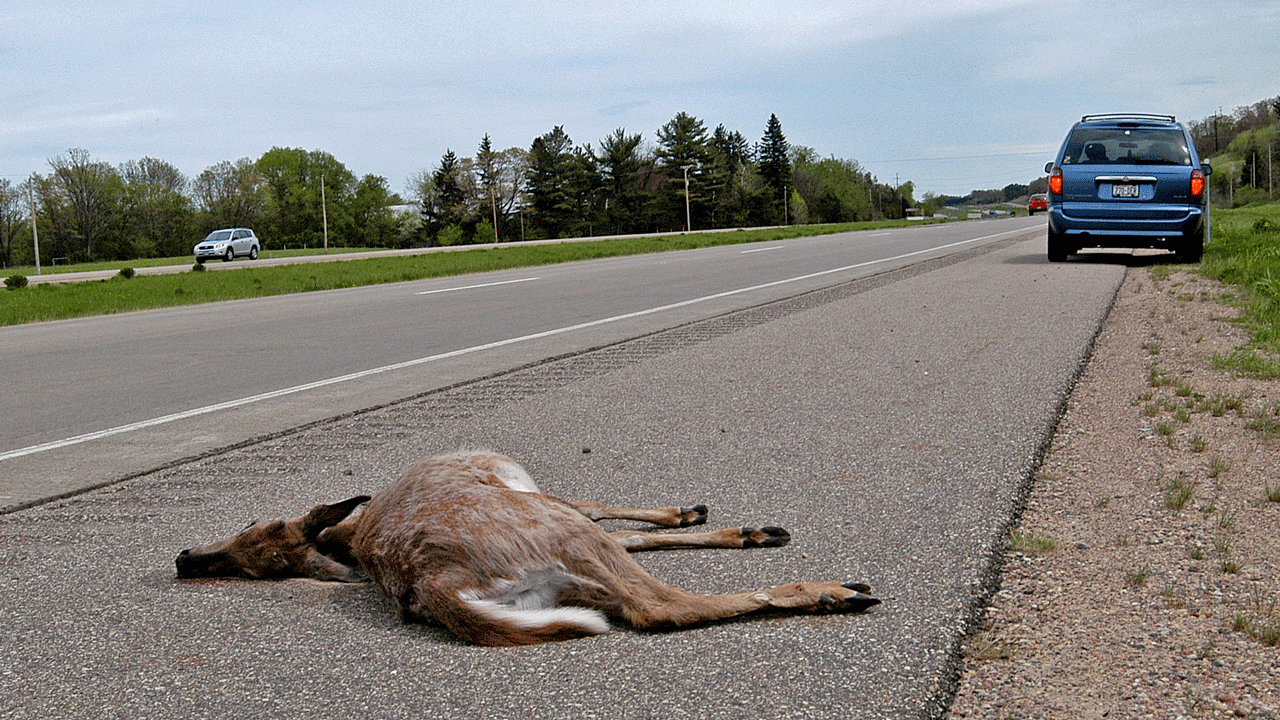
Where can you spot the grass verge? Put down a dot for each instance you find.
(1245, 252)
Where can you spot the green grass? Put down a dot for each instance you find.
(57, 301)
(1137, 578)
(1031, 543)
(1245, 252)
(1178, 493)
(47, 269)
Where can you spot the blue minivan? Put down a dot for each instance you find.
(1128, 180)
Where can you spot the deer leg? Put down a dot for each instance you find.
(676, 608)
(739, 537)
(665, 517)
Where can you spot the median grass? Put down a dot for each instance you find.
(57, 301)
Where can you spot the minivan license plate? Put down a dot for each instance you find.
(1124, 191)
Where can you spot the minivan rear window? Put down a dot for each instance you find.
(1126, 146)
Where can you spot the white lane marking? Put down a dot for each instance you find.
(763, 249)
(231, 404)
(473, 287)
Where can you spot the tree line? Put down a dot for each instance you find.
(86, 209)
(1245, 147)
(688, 177)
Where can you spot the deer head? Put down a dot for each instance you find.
(279, 549)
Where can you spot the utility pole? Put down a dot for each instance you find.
(688, 219)
(35, 237)
(324, 216)
(493, 202)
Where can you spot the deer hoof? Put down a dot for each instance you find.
(858, 601)
(764, 537)
(695, 515)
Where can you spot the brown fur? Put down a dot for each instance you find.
(452, 541)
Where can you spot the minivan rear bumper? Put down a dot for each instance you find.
(1154, 229)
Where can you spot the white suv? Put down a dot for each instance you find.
(228, 244)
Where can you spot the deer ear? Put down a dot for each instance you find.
(323, 516)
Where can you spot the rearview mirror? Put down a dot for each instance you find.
(1048, 168)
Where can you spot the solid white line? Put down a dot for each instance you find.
(473, 287)
(231, 404)
(763, 249)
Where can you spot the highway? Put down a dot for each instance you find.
(884, 396)
(98, 399)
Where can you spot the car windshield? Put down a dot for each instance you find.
(1126, 146)
(218, 235)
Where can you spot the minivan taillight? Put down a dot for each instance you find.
(1055, 181)
(1197, 183)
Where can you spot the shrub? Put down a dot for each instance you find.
(126, 272)
(15, 282)
(198, 267)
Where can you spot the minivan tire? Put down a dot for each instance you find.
(1058, 250)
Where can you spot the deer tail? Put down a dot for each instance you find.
(527, 610)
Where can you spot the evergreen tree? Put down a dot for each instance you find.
(621, 167)
(683, 147)
(551, 160)
(729, 177)
(487, 167)
(774, 162)
(450, 196)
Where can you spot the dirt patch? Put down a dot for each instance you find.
(1144, 580)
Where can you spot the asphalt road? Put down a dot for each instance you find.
(889, 420)
(99, 399)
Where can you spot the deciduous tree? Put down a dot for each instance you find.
(230, 194)
(294, 214)
(83, 203)
(12, 219)
(159, 218)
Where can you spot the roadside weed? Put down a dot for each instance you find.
(988, 645)
(1030, 543)
(1273, 493)
(1217, 466)
(1178, 493)
(1137, 578)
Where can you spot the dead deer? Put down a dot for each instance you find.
(468, 540)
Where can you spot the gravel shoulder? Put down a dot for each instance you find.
(1144, 580)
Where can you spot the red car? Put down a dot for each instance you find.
(1038, 202)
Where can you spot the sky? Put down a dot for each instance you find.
(952, 95)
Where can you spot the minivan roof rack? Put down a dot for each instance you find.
(1127, 116)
